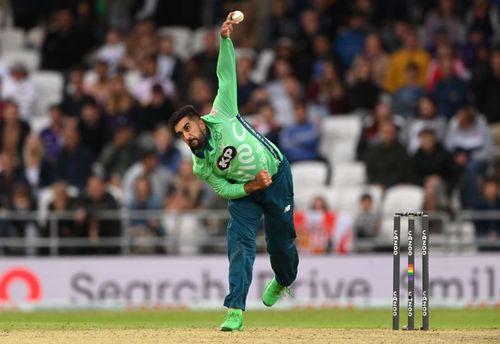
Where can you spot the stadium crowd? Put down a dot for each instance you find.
(424, 76)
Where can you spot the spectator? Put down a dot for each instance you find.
(64, 45)
(484, 17)
(489, 200)
(37, 169)
(327, 94)
(405, 99)
(97, 82)
(75, 95)
(159, 177)
(119, 154)
(148, 227)
(468, 139)
(363, 92)
(10, 175)
(445, 57)
(279, 24)
(141, 43)
(93, 130)
(52, 136)
(170, 66)
(113, 50)
(300, 141)
(169, 156)
(486, 88)
(201, 95)
(349, 41)
(427, 118)
(373, 54)
(409, 53)
(245, 84)
(13, 130)
(265, 123)
(89, 217)
(143, 89)
(187, 191)
(120, 105)
(63, 203)
(204, 62)
(387, 162)
(19, 87)
(444, 17)
(277, 89)
(157, 111)
(451, 91)
(367, 220)
(74, 161)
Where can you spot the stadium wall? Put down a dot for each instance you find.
(201, 282)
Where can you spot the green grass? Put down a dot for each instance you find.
(325, 318)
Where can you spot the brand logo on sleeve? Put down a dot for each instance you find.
(228, 154)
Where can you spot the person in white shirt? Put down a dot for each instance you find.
(21, 88)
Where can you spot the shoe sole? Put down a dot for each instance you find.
(228, 329)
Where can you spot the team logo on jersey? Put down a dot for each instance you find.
(228, 154)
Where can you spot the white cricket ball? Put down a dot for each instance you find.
(238, 16)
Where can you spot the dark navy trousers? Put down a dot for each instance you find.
(276, 204)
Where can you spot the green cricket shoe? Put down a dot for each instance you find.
(273, 292)
(234, 321)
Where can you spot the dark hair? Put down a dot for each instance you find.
(185, 111)
(366, 197)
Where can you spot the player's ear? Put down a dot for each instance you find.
(201, 124)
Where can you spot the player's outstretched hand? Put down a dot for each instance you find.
(227, 26)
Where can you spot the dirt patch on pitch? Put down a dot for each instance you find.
(253, 335)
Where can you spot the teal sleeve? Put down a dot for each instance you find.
(225, 189)
(226, 103)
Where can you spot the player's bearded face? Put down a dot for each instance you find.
(192, 132)
(198, 141)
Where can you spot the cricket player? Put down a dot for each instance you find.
(245, 168)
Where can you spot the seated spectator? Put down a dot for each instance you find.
(427, 118)
(88, 218)
(169, 156)
(363, 93)
(18, 86)
(276, 90)
(205, 61)
(61, 204)
(350, 40)
(97, 83)
(20, 201)
(444, 17)
(38, 171)
(75, 95)
(143, 89)
(145, 228)
(187, 192)
(170, 66)
(52, 136)
(300, 141)
(387, 162)
(10, 175)
(201, 95)
(373, 53)
(445, 57)
(451, 91)
(120, 105)
(405, 99)
(468, 139)
(141, 42)
(159, 177)
(486, 88)
(265, 123)
(327, 94)
(399, 60)
(246, 86)
(367, 220)
(156, 111)
(113, 50)
(93, 130)
(118, 155)
(489, 200)
(74, 161)
(13, 130)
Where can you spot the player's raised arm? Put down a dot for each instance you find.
(225, 103)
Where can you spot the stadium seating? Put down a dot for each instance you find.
(11, 40)
(309, 173)
(349, 197)
(304, 196)
(181, 36)
(29, 58)
(339, 137)
(348, 174)
(49, 86)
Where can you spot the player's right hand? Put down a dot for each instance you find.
(263, 179)
(227, 26)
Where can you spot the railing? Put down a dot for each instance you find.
(204, 231)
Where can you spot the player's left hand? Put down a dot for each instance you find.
(227, 26)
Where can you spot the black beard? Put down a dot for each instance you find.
(199, 146)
